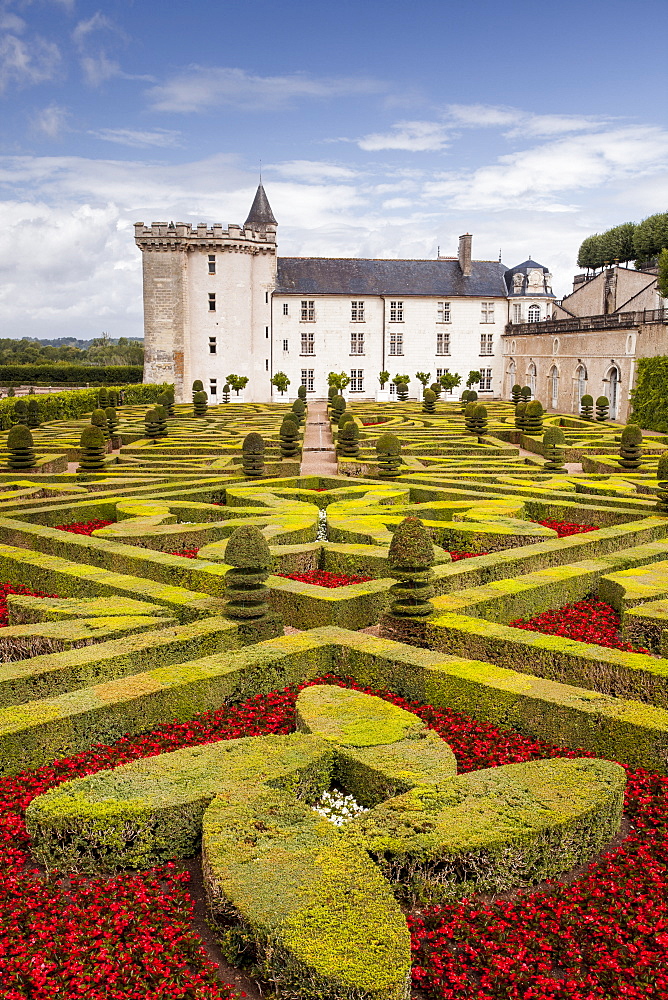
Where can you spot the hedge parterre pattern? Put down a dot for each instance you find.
(550, 589)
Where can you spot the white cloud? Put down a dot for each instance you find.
(416, 137)
(524, 122)
(26, 61)
(201, 88)
(98, 22)
(160, 137)
(51, 121)
(482, 115)
(311, 171)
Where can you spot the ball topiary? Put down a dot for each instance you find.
(388, 455)
(347, 443)
(402, 391)
(533, 417)
(289, 437)
(410, 557)
(34, 417)
(252, 456)
(553, 449)
(602, 408)
(200, 403)
(630, 450)
(93, 449)
(516, 394)
(98, 418)
(587, 407)
(20, 447)
(429, 401)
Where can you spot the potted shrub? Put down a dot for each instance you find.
(383, 393)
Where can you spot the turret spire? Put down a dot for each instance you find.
(260, 215)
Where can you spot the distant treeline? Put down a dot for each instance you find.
(68, 374)
(641, 242)
(67, 351)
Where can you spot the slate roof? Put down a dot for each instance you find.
(260, 214)
(524, 268)
(357, 276)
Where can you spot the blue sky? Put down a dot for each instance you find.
(384, 129)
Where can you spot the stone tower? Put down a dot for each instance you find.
(207, 301)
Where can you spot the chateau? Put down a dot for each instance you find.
(220, 300)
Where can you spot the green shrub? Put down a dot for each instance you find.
(347, 442)
(553, 449)
(200, 403)
(402, 391)
(289, 437)
(20, 446)
(587, 407)
(630, 447)
(34, 419)
(338, 408)
(67, 374)
(99, 419)
(429, 401)
(533, 417)
(602, 408)
(93, 449)
(516, 394)
(411, 556)
(252, 456)
(388, 454)
(520, 411)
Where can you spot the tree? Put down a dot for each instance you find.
(384, 378)
(401, 378)
(473, 379)
(663, 273)
(338, 381)
(237, 382)
(450, 381)
(423, 377)
(650, 238)
(281, 382)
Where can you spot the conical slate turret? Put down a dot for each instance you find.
(260, 215)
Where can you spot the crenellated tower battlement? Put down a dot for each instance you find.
(184, 236)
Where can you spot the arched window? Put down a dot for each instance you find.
(531, 379)
(554, 387)
(580, 386)
(614, 378)
(533, 315)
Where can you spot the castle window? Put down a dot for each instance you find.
(266, 332)
(533, 316)
(285, 345)
(213, 386)
(357, 380)
(308, 310)
(307, 379)
(212, 263)
(212, 302)
(443, 312)
(486, 343)
(396, 311)
(486, 312)
(212, 345)
(286, 309)
(357, 312)
(266, 364)
(356, 343)
(517, 312)
(396, 343)
(443, 343)
(485, 380)
(308, 345)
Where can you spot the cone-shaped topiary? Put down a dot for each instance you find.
(20, 411)
(388, 453)
(226, 393)
(338, 408)
(428, 401)
(34, 418)
(630, 448)
(98, 418)
(152, 424)
(289, 438)
(112, 419)
(103, 398)
(113, 397)
(248, 553)
(411, 556)
(662, 489)
(161, 413)
(200, 403)
(526, 393)
(554, 443)
(587, 407)
(468, 417)
(602, 408)
(252, 456)
(93, 449)
(402, 391)
(301, 392)
(479, 419)
(516, 394)
(533, 417)
(20, 447)
(520, 411)
(347, 442)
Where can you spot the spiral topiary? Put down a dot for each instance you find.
(299, 409)
(34, 417)
(662, 488)
(533, 417)
(20, 413)
(520, 411)
(331, 393)
(112, 420)
(93, 449)
(103, 398)
(602, 408)
(347, 443)
(345, 417)
(388, 454)
(200, 403)
(301, 392)
(247, 552)
(587, 407)
(198, 386)
(226, 393)
(167, 400)
(20, 447)
(437, 389)
(402, 392)
(468, 417)
(526, 393)
(252, 456)
(479, 419)
(630, 450)
(113, 397)
(428, 401)
(289, 438)
(516, 394)
(338, 408)
(98, 418)
(161, 413)
(410, 557)
(554, 443)
(152, 424)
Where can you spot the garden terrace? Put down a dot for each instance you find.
(119, 657)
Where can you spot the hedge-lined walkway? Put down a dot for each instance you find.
(317, 436)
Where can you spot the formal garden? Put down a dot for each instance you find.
(395, 730)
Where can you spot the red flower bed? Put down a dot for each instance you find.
(128, 937)
(10, 588)
(465, 555)
(372, 423)
(186, 553)
(587, 621)
(566, 528)
(321, 578)
(83, 527)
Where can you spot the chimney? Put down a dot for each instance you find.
(465, 243)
